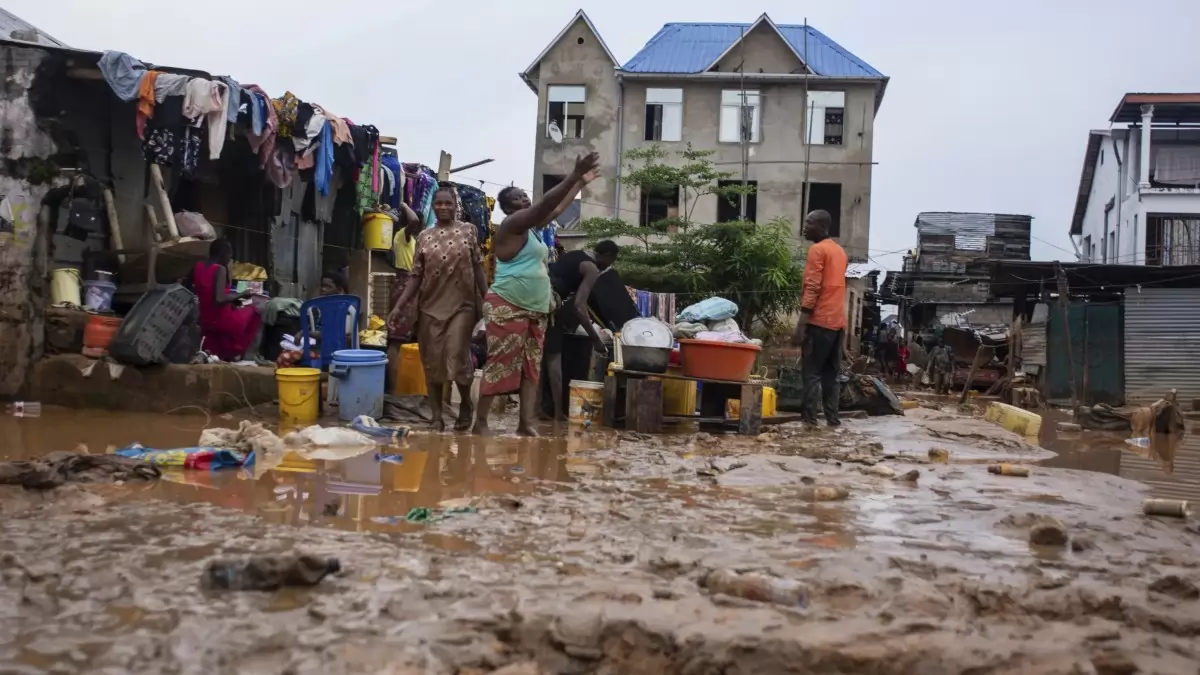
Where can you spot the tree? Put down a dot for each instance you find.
(754, 265)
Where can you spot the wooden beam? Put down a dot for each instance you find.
(164, 201)
(387, 140)
(114, 225)
(443, 172)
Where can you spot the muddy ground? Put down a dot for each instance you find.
(590, 553)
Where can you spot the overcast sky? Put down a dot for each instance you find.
(987, 110)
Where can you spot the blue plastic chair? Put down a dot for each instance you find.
(333, 310)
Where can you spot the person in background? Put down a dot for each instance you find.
(444, 292)
(941, 368)
(902, 362)
(230, 329)
(518, 306)
(820, 330)
(404, 248)
(572, 278)
(332, 283)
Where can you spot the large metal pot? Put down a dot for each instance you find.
(645, 359)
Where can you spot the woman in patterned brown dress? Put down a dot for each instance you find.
(445, 293)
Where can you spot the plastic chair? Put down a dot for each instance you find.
(333, 310)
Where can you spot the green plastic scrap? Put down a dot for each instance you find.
(424, 514)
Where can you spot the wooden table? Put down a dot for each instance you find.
(636, 399)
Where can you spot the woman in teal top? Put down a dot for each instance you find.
(517, 307)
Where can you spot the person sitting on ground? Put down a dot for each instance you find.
(230, 329)
(518, 305)
(572, 278)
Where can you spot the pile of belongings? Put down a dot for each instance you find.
(858, 392)
(713, 320)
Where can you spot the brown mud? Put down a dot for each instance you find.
(591, 552)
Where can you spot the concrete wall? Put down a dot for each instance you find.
(25, 150)
(774, 163)
(1127, 220)
(570, 62)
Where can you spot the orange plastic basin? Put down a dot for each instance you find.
(711, 360)
(99, 332)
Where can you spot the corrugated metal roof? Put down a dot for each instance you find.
(13, 27)
(692, 47)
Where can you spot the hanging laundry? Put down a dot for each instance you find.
(264, 143)
(208, 100)
(169, 84)
(235, 99)
(659, 306)
(145, 102)
(309, 122)
(341, 130)
(281, 165)
(324, 167)
(489, 260)
(368, 198)
(475, 210)
(123, 74)
(170, 139)
(419, 186)
(258, 116)
(285, 112)
(393, 196)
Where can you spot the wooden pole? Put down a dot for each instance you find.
(164, 201)
(1064, 301)
(114, 227)
(979, 359)
(443, 173)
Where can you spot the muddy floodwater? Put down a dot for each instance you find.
(592, 551)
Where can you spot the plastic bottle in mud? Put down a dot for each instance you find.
(757, 587)
(268, 573)
(24, 409)
(1009, 470)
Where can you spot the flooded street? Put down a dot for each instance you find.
(595, 551)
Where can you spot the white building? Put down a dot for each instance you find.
(1139, 198)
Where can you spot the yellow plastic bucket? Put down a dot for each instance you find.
(410, 372)
(299, 396)
(64, 287)
(679, 396)
(770, 401)
(586, 401)
(377, 232)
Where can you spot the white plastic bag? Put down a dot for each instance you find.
(192, 224)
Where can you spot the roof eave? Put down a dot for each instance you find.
(1087, 176)
(761, 19)
(591, 26)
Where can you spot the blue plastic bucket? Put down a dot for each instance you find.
(360, 377)
(98, 295)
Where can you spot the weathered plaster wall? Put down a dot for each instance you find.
(25, 179)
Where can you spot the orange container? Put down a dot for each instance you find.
(711, 360)
(98, 334)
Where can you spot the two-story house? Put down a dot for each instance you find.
(773, 101)
(1139, 193)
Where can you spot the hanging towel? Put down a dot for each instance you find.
(123, 74)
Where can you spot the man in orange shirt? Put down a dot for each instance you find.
(822, 324)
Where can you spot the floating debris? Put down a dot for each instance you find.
(757, 587)
(1176, 508)
(1009, 470)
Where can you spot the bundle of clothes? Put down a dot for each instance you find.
(712, 320)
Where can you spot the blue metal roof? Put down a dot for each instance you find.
(692, 47)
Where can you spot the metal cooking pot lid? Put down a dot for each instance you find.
(647, 332)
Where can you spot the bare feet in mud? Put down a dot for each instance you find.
(437, 426)
(526, 429)
(466, 413)
(481, 429)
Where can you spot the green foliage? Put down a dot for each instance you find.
(754, 265)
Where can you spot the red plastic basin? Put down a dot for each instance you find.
(712, 360)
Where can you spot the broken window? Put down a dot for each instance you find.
(664, 115)
(825, 117)
(658, 204)
(564, 109)
(827, 197)
(740, 114)
(730, 209)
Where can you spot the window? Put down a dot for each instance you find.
(564, 109)
(731, 209)
(827, 197)
(825, 117)
(732, 111)
(664, 115)
(659, 204)
(1087, 248)
(551, 181)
